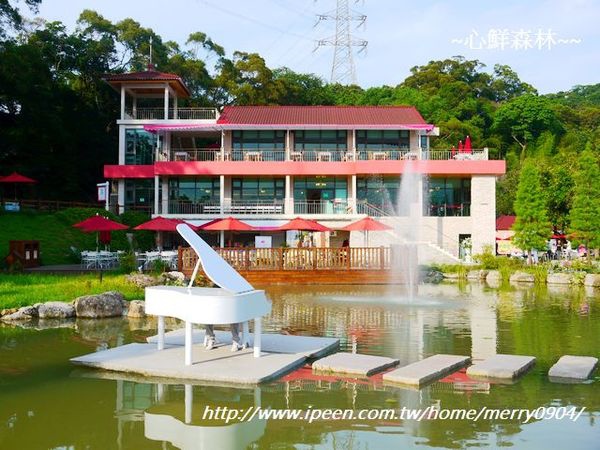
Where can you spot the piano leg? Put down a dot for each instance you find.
(257, 333)
(245, 334)
(188, 343)
(161, 333)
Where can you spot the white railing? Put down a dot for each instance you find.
(386, 154)
(321, 207)
(179, 113)
(448, 155)
(321, 155)
(256, 207)
(195, 154)
(183, 207)
(255, 155)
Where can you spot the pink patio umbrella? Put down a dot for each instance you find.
(160, 225)
(15, 179)
(367, 224)
(460, 146)
(453, 151)
(100, 225)
(226, 224)
(467, 148)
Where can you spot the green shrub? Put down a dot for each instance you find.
(127, 263)
(158, 266)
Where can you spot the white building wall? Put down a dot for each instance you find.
(483, 211)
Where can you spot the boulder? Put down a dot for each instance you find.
(24, 313)
(107, 304)
(493, 276)
(137, 309)
(142, 280)
(477, 275)
(559, 278)
(431, 276)
(453, 276)
(173, 278)
(7, 311)
(55, 310)
(522, 277)
(592, 279)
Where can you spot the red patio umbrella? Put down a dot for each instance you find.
(101, 225)
(467, 147)
(160, 224)
(367, 224)
(453, 151)
(460, 146)
(226, 224)
(300, 224)
(16, 178)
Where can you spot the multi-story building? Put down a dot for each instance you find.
(267, 164)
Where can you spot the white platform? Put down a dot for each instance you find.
(353, 364)
(312, 347)
(427, 370)
(573, 367)
(502, 366)
(219, 365)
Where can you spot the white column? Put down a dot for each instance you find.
(353, 190)
(189, 402)
(222, 194)
(289, 196)
(288, 145)
(122, 136)
(354, 145)
(166, 106)
(175, 116)
(165, 196)
(257, 337)
(156, 194)
(188, 343)
(161, 333)
(121, 196)
(222, 145)
(122, 102)
(134, 107)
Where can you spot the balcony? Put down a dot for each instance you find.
(321, 207)
(448, 210)
(241, 207)
(173, 114)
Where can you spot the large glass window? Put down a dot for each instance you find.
(320, 195)
(269, 145)
(447, 197)
(380, 192)
(139, 194)
(320, 139)
(257, 189)
(140, 146)
(194, 189)
(382, 139)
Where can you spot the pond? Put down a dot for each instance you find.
(47, 403)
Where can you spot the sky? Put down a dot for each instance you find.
(551, 44)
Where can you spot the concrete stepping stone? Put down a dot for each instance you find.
(353, 364)
(502, 366)
(427, 370)
(573, 367)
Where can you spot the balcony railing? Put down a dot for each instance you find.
(321, 207)
(445, 210)
(188, 207)
(178, 114)
(255, 207)
(322, 155)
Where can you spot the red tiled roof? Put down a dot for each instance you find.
(145, 75)
(321, 115)
(505, 222)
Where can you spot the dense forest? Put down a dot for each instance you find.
(57, 116)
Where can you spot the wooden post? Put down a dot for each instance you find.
(247, 259)
(382, 258)
(280, 258)
(180, 259)
(314, 257)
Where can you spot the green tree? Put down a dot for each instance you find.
(10, 17)
(585, 211)
(531, 226)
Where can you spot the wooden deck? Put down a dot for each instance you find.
(318, 265)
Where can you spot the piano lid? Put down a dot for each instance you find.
(215, 267)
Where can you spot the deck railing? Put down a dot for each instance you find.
(158, 113)
(444, 155)
(315, 258)
(321, 207)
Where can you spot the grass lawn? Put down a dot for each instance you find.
(56, 233)
(22, 290)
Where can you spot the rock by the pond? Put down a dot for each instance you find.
(173, 277)
(559, 278)
(592, 279)
(573, 367)
(107, 304)
(137, 309)
(55, 310)
(493, 276)
(522, 277)
(451, 276)
(24, 313)
(142, 280)
(477, 274)
(7, 311)
(431, 276)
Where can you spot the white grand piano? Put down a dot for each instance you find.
(234, 301)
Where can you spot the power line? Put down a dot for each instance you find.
(342, 69)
